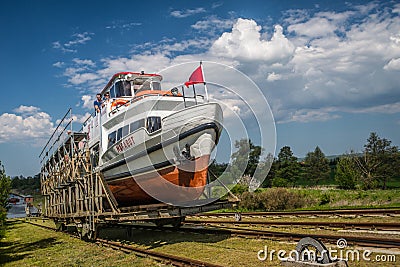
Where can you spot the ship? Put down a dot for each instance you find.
(153, 145)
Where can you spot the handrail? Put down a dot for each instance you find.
(69, 110)
(66, 122)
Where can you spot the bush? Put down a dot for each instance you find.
(272, 199)
(325, 199)
(279, 182)
(239, 189)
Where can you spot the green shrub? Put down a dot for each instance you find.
(325, 199)
(279, 182)
(272, 199)
(239, 189)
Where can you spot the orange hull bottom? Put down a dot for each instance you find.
(174, 184)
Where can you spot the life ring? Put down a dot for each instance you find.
(119, 102)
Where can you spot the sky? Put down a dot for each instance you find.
(330, 70)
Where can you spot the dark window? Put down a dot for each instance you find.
(112, 92)
(127, 88)
(111, 139)
(119, 134)
(119, 89)
(136, 125)
(153, 124)
(156, 85)
(125, 130)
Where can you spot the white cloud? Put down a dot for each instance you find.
(244, 43)
(345, 65)
(82, 78)
(212, 24)
(81, 118)
(84, 62)
(396, 9)
(315, 27)
(391, 108)
(30, 126)
(76, 39)
(87, 101)
(393, 64)
(187, 12)
(123, 26)
(26, 109)
(307, 115)
(59, 64)
(273, 77)
(79, 38)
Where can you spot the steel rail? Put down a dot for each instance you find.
(356, 240)
(368, 225)
(176, 260)
(380, 242)
(389, 211)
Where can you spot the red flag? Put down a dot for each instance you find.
(196, 77)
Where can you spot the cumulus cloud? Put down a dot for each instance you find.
(331, 62)
(315, 27)
(28, 125)
(87, 101)
(26, 109)
(81, 118)
(244, 43)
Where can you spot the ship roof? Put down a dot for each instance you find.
(137, 74)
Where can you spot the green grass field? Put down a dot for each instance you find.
(28, 245)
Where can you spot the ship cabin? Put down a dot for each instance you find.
(132, 84)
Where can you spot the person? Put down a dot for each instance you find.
(97, 103)
(106, 99)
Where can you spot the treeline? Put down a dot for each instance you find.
(26, 185)
(5, 187)
(373, 168)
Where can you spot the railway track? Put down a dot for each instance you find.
(367, 241)
(166, 258)
(340, 212)
(319, 224)
(379, 242)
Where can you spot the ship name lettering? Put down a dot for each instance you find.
(125, 144)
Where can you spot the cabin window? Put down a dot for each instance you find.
(144, 87)
(119, 134)
(125, 130)
(111, 139)
(153, 124)
(136, 125)
(121, 88)
(156, 85)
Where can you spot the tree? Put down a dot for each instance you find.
(379, 163)
(347, 173)
(288, 168)
(270, 159)
(245, 159)
(5, 185)
(316, 166)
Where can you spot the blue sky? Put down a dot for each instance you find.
(329, 69)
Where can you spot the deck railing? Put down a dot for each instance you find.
(57, 137)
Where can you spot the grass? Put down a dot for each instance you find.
(330, 198)
(324, 198)
(28, 245)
